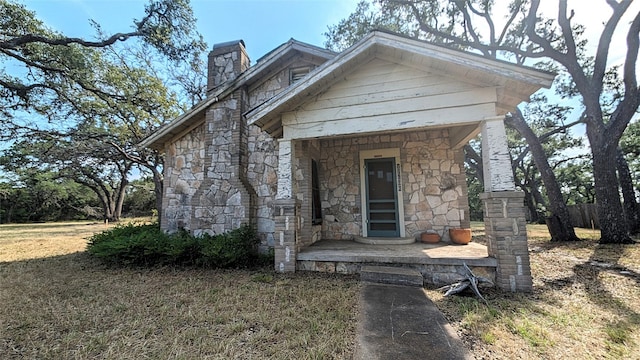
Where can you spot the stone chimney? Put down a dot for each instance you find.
(226, 61)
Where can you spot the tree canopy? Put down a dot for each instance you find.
(78, 107)
(48, 73)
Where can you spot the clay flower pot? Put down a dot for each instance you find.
(460, 236)
(429, 238)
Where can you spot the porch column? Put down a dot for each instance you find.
(285, 210)
(496, 162)
(285, 174)
(504, 211)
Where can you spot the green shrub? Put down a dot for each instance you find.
(147, 245)
(234, 248)
(124, 243)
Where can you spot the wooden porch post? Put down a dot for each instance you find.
(496, 162)
(504, 211)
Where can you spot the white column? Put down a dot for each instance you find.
(285, 159)
(496, 161)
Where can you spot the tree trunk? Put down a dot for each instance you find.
(564, 230)
(631, 207)
(106, 209)
(613, 224)
(10, 211)
(529, 201)
(474, 160)
(531, 205)
(158, 190)
(119, 201)
(537, 196)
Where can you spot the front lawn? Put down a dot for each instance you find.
(59, 303)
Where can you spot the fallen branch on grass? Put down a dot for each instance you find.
(470, 280)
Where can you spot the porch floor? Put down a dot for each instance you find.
(472, 254)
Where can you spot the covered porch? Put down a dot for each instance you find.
(382, 126)
(439, 264)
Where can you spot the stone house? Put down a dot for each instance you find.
(310, 145)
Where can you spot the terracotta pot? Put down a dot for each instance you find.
(460, 236)
(429, 238)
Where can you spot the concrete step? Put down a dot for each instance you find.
(391, 275)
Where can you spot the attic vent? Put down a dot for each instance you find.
(298, 73)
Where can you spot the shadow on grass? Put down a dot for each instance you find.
(604, 259)
(539, 318)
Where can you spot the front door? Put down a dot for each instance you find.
(382, 202)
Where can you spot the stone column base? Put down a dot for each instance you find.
(285, 212)
(505, 227)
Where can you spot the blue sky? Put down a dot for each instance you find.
(262, 24)
(265, 24)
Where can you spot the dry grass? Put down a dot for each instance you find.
(585, 304)
(57, 302)
(22, 242)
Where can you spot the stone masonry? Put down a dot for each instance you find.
(434, 184)
(183, 174)
(505, 226)
(223, 173)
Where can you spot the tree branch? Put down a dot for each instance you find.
(548, 51)
(460, 4)
(602, 52)
(32, 38)
(510, 21)
(487, 18)
(628, 106)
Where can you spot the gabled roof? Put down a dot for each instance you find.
(516, 83)
(185, 121)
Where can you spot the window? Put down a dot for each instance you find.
(316, 205)
(298, 73)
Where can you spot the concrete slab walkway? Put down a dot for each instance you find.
(401, 322)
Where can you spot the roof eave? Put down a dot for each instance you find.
(257, 115)
(536, 78)
(165, 133)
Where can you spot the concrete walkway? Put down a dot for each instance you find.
(401, 322)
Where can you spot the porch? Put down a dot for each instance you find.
(439, 264)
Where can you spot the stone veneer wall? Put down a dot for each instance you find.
(218, 205)
(183, 174)
(304, 153)
(434, 187)
(262, 166)
(225, 63)
(226, 173)
(506, 229)
(222, 202)
(434, 184)
(262, 174)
